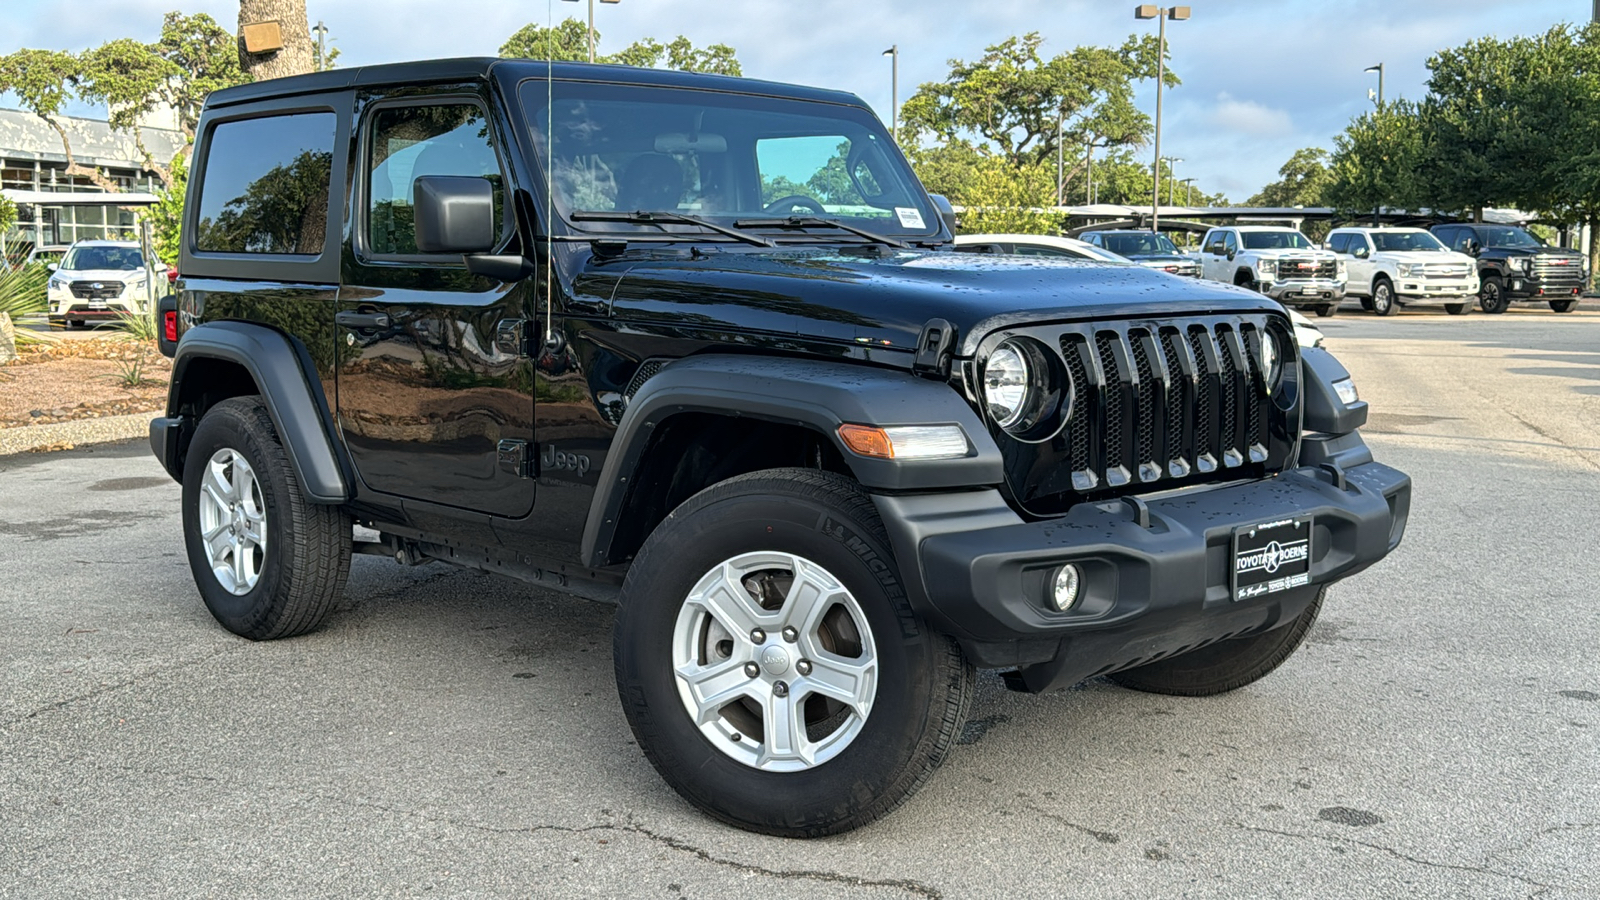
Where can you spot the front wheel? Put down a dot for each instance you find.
(1326, 310)
(268, 563)
(770, 666)
(1561, 306)
(1226, 665)
(1456, 309)
(1383, 297)
(1492, 296)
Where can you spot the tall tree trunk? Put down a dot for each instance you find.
(295, 58)
(1593, 221)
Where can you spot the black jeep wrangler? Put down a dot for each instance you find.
(698, 344)
(1515, 266)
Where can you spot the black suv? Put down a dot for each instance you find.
(1150, 249)
(1515, 266)
(698, 344)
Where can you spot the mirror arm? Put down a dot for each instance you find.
(507, 267)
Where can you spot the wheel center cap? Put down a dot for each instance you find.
(775, 660)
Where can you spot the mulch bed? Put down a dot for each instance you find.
(80, 379)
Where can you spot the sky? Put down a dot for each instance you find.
(1261, 78)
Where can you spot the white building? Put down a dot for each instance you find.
(33, 166)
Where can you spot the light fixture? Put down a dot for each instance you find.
(1065, 586)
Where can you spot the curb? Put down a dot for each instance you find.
(78, 432)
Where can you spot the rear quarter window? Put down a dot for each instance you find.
(265, 185)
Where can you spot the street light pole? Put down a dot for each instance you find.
(321, 31)
(1177, 14)
(591, 24)
(1378, 210)
(894, 90)
(1188, 197)
(1172, 175)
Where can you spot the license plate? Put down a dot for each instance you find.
(1272, 557)
(97, 304)
(1310, 293)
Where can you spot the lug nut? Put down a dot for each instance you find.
(790, 635)
(757, 636)
(751, 669)
(780, 689)
(803, 667)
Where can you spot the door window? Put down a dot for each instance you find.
(1229, 243)
(265, 186)
(1339, 243)
(1037, 250)
(1214, 243)
(411, 141)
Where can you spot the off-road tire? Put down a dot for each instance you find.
(307, 557)
(1492, 295)
(924, 684)
(1383, 300)
(1562, 306)
(1226, 665)
(1457, 309)
(1326, 310)
(1366, 303)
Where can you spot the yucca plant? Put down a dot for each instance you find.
(22, 295)
(139, 326)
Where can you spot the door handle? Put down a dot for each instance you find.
(361, 321)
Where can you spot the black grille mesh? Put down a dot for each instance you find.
(1113, 398)
(1078, 438)
(1202, 400)
(1230, 389)
(1147, 398)
(1174, 394)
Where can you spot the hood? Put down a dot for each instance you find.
(1279, 253)
(1152, 259)
(884, 300)
(1537, 251)
(1433, 257)
(123, 275)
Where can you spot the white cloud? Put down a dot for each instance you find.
(1251, 118)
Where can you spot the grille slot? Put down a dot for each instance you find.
(1115, 410)
(1147, 391)
(1078, 434)
(1205, 410)
(1229, 377)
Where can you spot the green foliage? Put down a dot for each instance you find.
(166, 216)
(8, 217)
(22, 294)
(1377, 162)
(1005, 199)
(569, 42)
(42, 80)
(139, 326)
(1010, 102)
(1301, 182)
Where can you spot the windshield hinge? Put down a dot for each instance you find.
(933, 349)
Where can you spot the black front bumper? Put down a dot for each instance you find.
(1157, 580)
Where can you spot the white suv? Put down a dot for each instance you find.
(1277, 261)
(96, 280)
(1394, 267)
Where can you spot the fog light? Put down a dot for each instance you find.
(1064, 593)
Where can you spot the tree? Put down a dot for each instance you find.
(1377, 162)
(1004, 199)
(1301, 181)
(296, 57)
(1012, 102)
(43, 81)
(569, 42)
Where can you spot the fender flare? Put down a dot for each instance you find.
(815, 394)
(286, 379)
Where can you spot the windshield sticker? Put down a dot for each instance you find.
(909, 217)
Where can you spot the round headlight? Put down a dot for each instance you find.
(1271, 361)
(1006, 384)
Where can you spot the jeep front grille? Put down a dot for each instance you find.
(1157, 404)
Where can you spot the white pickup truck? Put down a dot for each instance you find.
(1277, 261)
(1394, 267)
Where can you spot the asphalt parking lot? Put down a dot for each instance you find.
(451, 733)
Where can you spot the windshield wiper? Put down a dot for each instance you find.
(644, 217)
(816, 222)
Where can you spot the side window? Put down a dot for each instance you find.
(1214, 243)
(1339, 243)
(1229, 242)
(1358, 243)
(1037, 250)
(265, 186)
(1464, 236)
(410, 141)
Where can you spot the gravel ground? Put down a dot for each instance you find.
(455, 734)
(76, 433)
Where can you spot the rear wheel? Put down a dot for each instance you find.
(1456, 309)
(268, 563)
(1383, 297)
(1492, 295)
(1563, 305)
(1226, 665)
(770, 666)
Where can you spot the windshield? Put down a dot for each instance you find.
(122, 258)
(1406, 240)
(1275, 240)
(1141, 244)
(620, 149)
(1504, 236)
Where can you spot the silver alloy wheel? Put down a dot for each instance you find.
(1382, 298)
(233, 521)
(775, 661)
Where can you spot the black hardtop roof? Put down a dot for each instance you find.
(479, 68)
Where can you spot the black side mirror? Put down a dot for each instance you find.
(1231, 254)
(1361, 253)
(454, 214)
(1473, 248)
(947, 213)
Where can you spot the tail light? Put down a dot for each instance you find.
(172, 274)
(169, 325)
